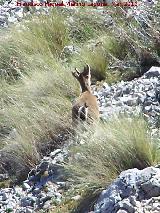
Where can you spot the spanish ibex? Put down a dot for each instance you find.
(86, 106)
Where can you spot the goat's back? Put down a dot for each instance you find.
(87, 104)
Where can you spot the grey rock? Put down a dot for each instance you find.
(69, 51)
(5, 196)
(141, 99)
(3, 177)
(126, 205)
(147, 108)
(43, 200)
(126, 90)
(131, 186)
(44, 165)
(54, 153)
(28, 201)
(151, 93)
(26, 186)
(29, 210)
(157, 109)
(11, 205)
(19, 14)
(37, 190)
(47, 205)
(130, 101)
(139, 96)
(153, 72)
(12, 19)
(59, 158)
(58, 195)
(122, 211)
(119, 103)
(118, 93)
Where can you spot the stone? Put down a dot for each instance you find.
(3, 177)
(29, 210)
(126, 205)
(43, 166)
(147, 108)
(28, 201)
(5, 196)
(25, 186)
(77, 197)
(122, 211)
(151, 93)
(10, 206)
(59, 158)
(153, 72)
(19, 14)
(131, 186)
(47, 205)
(142, 98)
(58, 197)
(54, 153)
(69, 51)
(12, 19)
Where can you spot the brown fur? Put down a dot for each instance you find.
(86, 106)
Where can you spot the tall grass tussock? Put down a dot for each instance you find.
(99, 153)
(105, 150)
(36, 90)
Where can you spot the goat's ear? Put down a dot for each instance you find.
(87, 70)
(74, 74)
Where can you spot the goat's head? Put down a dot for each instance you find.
(84, 77)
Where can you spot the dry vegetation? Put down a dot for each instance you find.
(37, 90)
(112, 147)
(100, 153)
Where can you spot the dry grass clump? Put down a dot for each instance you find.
(85, 24)
(99, 153)
(97, 60)
(36, 90)
(38, 108)
(26, 43)
(109, 148)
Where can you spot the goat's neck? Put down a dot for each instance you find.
(86, 89)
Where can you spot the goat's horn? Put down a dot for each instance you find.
(77, 71)
(87, 65)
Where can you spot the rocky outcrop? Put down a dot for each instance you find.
(11, 12)
(141, 95)
(43, 186)
(133, 191)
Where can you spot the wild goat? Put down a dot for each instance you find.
(86, 107)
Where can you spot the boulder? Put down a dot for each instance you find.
(130, 190)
